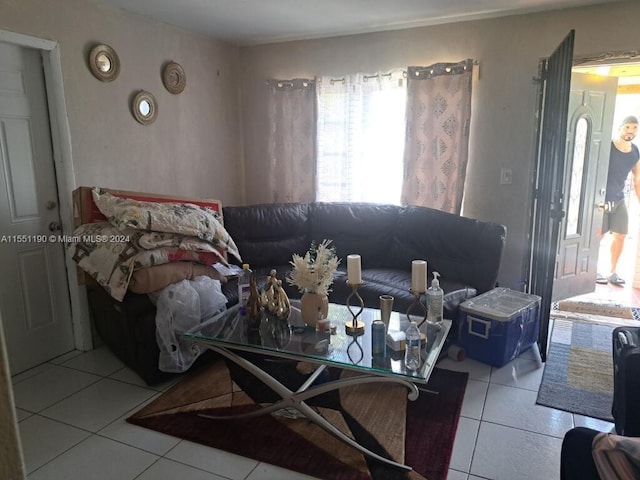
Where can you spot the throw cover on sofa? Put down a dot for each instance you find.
(143, 234)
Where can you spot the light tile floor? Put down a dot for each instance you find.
(72, 414)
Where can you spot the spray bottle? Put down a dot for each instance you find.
(434, 300)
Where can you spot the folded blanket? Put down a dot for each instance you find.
(152, 279)
(111, 257)
(181, 218)
(144, 234)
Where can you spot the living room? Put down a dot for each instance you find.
(214, 131)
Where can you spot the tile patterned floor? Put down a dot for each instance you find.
(71, 415)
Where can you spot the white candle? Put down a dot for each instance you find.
(419, 276)
(354, 272)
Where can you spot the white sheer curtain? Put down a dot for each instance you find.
(360, 137)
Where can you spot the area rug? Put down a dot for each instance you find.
(578, 374)
(419, 433)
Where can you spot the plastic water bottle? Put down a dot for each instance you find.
(244, 287)
(412, 345)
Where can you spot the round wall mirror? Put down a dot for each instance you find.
(174, 78)
(144, 107)
(104, 63)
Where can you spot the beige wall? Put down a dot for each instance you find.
(504, 98)
(193, 148)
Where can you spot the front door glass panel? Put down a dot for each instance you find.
(574, 208)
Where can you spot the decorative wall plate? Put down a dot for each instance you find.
(144, 107)
(174, 78)
(104, 63)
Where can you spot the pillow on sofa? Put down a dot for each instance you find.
(184, 218)
(151, 279)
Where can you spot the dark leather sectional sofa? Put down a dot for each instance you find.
(466, 252)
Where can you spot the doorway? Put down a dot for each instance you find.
(33, 294)
(50, 71)
(627, 102)
(547, 257)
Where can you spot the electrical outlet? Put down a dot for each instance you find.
(506, 175)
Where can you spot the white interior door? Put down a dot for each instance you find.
(34, 297)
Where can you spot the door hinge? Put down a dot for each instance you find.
(542, 72)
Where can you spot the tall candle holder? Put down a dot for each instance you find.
(416, 301)
(355, 327)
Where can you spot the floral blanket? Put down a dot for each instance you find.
(143, 234)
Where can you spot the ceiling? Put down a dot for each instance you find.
(254, 22)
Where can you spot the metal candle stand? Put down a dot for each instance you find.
(416, 301)
(355, 327)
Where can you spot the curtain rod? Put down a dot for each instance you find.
(615, 57)
(364, 77)
(443, 68)
(447, 68)
(295, 83)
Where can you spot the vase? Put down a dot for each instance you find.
(313, 306)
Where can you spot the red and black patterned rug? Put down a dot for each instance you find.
(419, 433)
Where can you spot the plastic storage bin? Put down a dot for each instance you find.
(499, 325)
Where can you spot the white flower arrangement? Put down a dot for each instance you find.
(314, 272)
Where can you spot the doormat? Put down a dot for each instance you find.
(608, 308)
(578, 373)
(590, 318)
(419, 433)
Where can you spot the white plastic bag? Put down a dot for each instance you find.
(212, 300)
(180, 309)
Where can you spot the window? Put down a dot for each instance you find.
(576, 188)
(360, 138)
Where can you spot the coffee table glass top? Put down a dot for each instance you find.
(293, 340)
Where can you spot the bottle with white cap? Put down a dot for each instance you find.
(435, 296)
(244, 287)
(412, 358)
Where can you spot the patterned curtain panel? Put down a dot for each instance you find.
(437, 138)
(291, 166)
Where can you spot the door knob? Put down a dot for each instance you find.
(605, 206)
(54, 227)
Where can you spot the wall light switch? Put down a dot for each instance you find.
(506, 175)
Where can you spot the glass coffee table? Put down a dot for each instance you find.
(229, 334)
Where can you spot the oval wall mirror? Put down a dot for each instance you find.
(174, 78)
(104, 63)
(144, 107)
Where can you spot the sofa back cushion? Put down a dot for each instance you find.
(362, 228)
(461, 249)
(267, 235)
